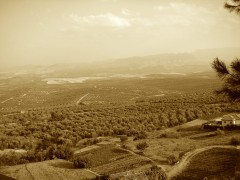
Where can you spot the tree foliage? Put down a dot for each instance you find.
(230, 76)
(233, 6)
(81, 162)
(156, 172)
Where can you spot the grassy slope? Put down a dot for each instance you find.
(189, 138)
(220, 162)
(47, 170)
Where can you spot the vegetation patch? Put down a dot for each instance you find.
(235, 141)
(218, 162)
(100, 156)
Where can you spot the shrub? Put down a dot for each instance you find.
(174, 135)
(140, 135)
(141, 146)
(156, 172)
(92, 141)
(181, 154)
(123, 138)
(105, 177)
(124, 146)
(13, 158)
(163, 135)
(172, 159)
(82, 162)
(235, 141)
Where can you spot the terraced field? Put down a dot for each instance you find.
(131, 161)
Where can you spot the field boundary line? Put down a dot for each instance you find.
(29, 172)
(93, 172)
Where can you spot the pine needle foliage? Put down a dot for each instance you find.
(233, 6)
(231, 77)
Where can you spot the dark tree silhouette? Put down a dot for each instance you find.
(233, 6)
(231, 78)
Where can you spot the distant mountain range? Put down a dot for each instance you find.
(197, 61)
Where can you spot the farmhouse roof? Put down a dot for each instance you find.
(236, 116)
(227, 118)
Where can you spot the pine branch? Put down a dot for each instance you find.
(233, 7)
(232, 94)
(235, 66)
(220, 67)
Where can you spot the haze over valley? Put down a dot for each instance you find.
(118, 89)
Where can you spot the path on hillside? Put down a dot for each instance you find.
(179, 167)
(7, 100)
(81, 98)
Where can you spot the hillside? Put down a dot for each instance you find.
(198, 61)
(47, 170)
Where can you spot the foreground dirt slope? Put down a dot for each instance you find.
(48, 170)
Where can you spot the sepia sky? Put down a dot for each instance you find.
(52, 31)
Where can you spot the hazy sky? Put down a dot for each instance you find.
(50, 31)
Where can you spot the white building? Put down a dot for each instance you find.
(230, 119)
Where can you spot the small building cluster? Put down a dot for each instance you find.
(226, 120)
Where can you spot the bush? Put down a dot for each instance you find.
(163, 135)
(174, 135)
(156, 172)
(141, 146)
(123, 138)
(181, 154)
(92, 141)
(172, 159)
(235, 141)
(124, 146)
(105, 177)
(140, 135)
(13, 158)
(82, 162)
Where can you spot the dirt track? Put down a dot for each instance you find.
(179, 167)
(81, 98)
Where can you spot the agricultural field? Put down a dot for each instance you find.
(119, 90)
(68, 120)
(31, 91)
(109, 159)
